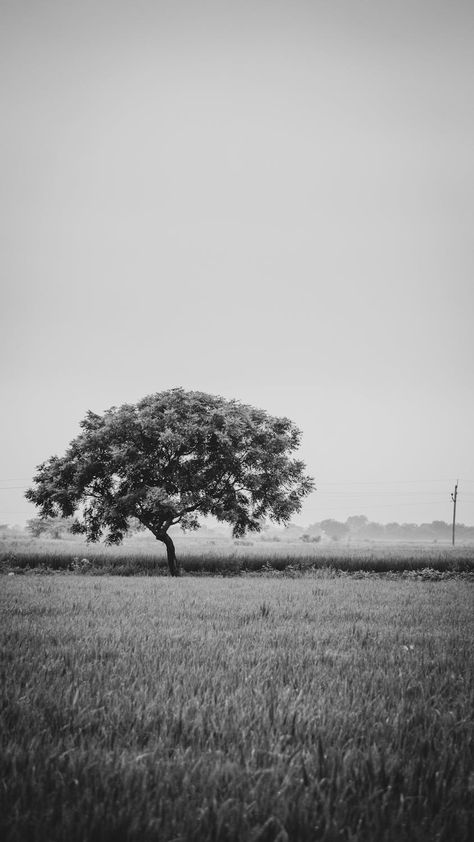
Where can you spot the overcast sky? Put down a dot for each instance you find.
(272, 201)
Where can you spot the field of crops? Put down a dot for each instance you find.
(148, 558)
(247, 708)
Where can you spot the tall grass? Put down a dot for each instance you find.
(232, 560)
(236, 709)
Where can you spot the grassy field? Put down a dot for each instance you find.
(146, 557)
(253, 708)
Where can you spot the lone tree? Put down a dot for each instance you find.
(173, 456)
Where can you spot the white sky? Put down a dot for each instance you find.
(273, 201)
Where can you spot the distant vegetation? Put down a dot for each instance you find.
(356, 545)
(140, 556)
(359, 528)
(356, 528)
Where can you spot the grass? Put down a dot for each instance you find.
(269, 709)
(147, 558)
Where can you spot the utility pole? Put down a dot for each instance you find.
(454, 497)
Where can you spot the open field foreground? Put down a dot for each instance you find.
(253, 708)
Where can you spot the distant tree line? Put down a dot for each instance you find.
(61, 527)
(49, 527)
(358, 527)
(355, 528)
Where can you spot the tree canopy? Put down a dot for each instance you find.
(169, 458)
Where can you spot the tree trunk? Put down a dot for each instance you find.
(170, 552)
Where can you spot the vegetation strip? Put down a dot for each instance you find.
(292, 561)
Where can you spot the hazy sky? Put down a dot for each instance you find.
(272, 201)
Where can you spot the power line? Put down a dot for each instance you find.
(321, 482)
(375, 492)
(396, 481)
(336, 482)
(10, 512)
